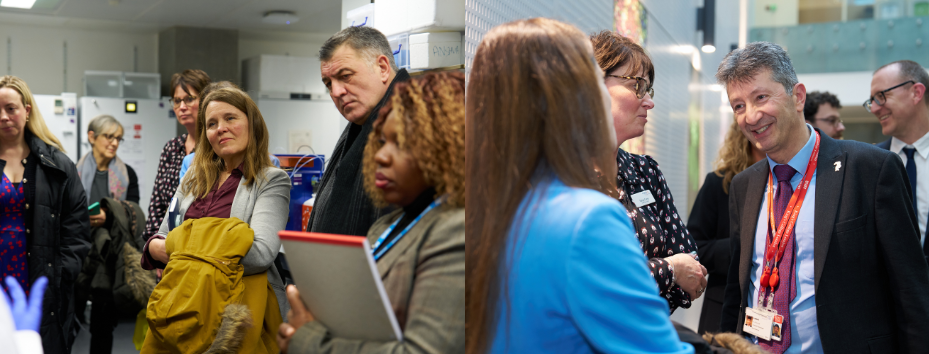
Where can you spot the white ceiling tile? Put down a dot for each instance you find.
(316, 16)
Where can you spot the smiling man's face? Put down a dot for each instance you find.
(771, 119)
(355, 84)
(897, 114)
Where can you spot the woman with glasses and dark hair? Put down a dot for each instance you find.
(640, 186)
(103, 175)
(186, 87)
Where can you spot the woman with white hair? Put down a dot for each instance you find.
(103, 175)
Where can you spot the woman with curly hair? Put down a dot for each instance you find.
(413, 160)
(709, 221)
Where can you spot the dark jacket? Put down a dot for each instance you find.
(884, 144)
(870, 276)
(113, 261)
(58, 233)
(342, 206)
(708, 224)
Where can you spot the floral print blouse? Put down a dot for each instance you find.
(166, 181)
(660, 229)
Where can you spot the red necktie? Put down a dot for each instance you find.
(785, 292)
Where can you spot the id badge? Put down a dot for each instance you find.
(776, 327)
(173, 215)
(173, 204)
(643, 198)
(759, 323)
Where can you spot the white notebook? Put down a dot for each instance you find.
(339, 282)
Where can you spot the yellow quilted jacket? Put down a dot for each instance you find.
(204, 304)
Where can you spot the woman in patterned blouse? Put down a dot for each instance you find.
(187, 86)
(641, 187)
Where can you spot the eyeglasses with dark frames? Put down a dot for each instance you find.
(833, 121)
(111, 138)
(187, 100)
(879, 97)
(641, 85)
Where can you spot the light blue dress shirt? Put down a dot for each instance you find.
(577, 280)
(804, 330)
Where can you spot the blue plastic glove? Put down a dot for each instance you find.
(27, 316)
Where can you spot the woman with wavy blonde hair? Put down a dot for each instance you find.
(709, 221)
(231, 177)
(412, 160)
(44, 226)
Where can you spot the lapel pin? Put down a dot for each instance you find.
(838, 165)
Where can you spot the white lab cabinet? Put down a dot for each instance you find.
(295, 123)
(361, 16)
(280, 76)
(145, 132)
(397, 16)
(435, 50)
(60, 115)
(294, 103)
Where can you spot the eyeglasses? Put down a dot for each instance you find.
(879, 97)
(641, 85)
(187, 100)
(834, 121)
(109, 137)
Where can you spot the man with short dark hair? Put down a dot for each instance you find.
(359, 71)
(822, 232)
(822, 112)
(899, 101)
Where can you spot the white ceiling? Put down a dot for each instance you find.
(316, 16)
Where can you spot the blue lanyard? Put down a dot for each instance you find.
(378, 255)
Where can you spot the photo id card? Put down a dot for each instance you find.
(776, 327)
(643, 198)
(758, 323)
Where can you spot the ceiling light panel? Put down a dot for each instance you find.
(19, 4)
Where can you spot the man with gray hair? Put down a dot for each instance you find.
(898, 100)
(359, 71)
(823, 237)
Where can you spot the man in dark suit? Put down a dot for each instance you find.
(898, 99)
(851, 278)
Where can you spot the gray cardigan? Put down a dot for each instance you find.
(264, 207)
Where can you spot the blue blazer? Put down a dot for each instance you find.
(577, 280)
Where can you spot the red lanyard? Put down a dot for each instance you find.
(775, 249)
